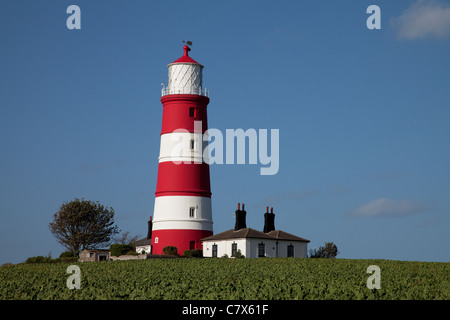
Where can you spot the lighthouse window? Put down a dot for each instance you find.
(192, 144)
(191, 212)
(192, 112)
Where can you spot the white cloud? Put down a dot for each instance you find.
(424, 19)
(388, 208)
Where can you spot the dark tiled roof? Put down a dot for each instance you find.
(97, 250)
(236, 234)
(281, 235)
(143, 242)
(252, 233)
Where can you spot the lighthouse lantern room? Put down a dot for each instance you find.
(182, 213)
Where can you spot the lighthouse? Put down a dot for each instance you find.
(183, 213)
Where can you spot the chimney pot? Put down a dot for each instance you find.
(239, 206)
(269, 220)
(240, 218)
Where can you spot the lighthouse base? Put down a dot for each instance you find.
(182, 239)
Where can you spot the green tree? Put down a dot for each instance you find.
(125, 238)
(330, 250)
(82, 224)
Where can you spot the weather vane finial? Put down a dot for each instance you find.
(186, 48)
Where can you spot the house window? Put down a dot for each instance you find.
(261, 250)
(191, 212)
(290, 250)
(214, 251)
(91, 254)
(233, 249)
(192, 112)
(191, 245)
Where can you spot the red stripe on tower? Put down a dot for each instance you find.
(182, 214)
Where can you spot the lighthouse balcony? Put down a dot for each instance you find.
(186, 90)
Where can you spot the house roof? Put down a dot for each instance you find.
(143, 242)
(96, 250)
(281, 235)
(237, 234)
(252, 233)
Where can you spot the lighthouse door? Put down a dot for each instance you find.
(191, 245)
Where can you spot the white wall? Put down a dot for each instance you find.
(300, 248)
(223, 247)
(249, 247)
(176, 146)
(147, 249)
(172, 212)
(252, 247)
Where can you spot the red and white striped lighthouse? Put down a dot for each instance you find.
(183, 213)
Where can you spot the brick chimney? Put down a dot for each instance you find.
(269, 220)
(240, 217)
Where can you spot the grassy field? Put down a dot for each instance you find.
(233, 279)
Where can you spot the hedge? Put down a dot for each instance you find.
(197, 253)
(120, 249)
(170, 251)
(42, 259)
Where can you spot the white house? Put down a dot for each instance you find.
(94, 255)
(253, 243)
(144, 245)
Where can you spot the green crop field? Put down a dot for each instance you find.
(213, 279)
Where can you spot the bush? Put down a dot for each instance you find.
(66, 260)
(132, 253)
(239, 255)
(42, 259)
(39, 259)
(6, 264)
(170, 251)
(119, 249)
(329, 251)
(67, 254)
(196, 253)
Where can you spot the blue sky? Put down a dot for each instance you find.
(363, 116)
